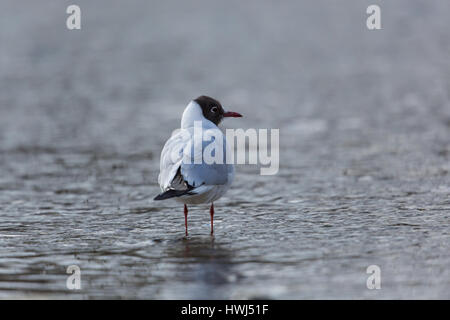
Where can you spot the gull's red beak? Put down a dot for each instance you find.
(232, 114)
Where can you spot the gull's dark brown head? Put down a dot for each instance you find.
(212, 109)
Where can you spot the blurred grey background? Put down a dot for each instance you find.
(364, 119)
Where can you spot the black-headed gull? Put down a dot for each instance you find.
(185, 174)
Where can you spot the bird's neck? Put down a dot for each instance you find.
(194, 113)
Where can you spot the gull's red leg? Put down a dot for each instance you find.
(211, 212)
(185, 218)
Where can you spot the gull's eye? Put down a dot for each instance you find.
(214, 109)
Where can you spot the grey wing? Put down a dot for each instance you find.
(197, 174)
(182, 165)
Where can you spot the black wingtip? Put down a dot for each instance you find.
(171, 194)
(159, 197)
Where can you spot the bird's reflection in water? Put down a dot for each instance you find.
(205, 267)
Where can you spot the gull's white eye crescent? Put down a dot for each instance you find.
(214, 109)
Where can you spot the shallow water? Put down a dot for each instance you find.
(364, 119)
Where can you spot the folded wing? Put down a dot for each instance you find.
(183, 166)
